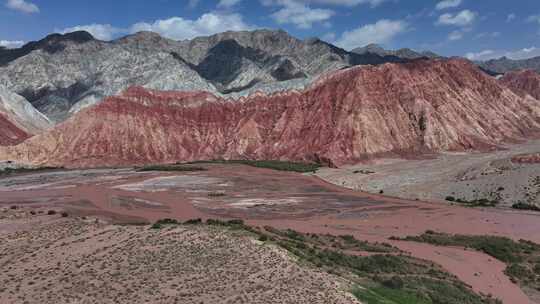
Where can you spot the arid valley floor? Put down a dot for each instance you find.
(46, 256)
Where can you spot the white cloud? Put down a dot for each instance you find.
(10, 44)
(100, 31)
(448, 4)
(383, 31)
(488, 35)
(22, 6)
(510, 17)
(331, 36)
(193, 3)
(534, 18)
(179, 28)
(349, 3)
(515, 54)
(482, 55)
(463, 18)
(228, 3)
(373, 3)
(298, 13)
(455, 35)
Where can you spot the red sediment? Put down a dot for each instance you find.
(10, 134)
(523, 82)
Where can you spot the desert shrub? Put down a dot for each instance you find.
(51, 212)
(64, 214)
(216, 194)
(518, 271)
(450, 198)
(193, 222)
(180, 168)
(394, 282)
(168, 221)
(525, 206)
(271, 164)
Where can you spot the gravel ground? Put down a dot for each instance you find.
(52, 259)
(467, 176)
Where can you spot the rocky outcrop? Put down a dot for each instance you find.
(63, 81)
(18, 119)
(62, 74)
(10, 134)
(404, 53)
(523, 82)
(533, 158)
(346, 116)
(504, 65)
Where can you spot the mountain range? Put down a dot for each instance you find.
(61, 74)
(345, 116)
(504, 65)
(404, 53)
(254, 94)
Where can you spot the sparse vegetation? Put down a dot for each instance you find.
(10, 171)
(482, 202)
(525, 206)
(388, 276)
(521, 257)
(216, 194)
(270, 164)
(175, 167)
(363, 171)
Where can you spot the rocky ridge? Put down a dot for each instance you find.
(346, 116)
(523, 82)
(503, 65)
(19, 119)
(62, 74)
(404, 53)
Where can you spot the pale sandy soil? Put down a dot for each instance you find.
(283, 200)
(468, 176)
(50, 259)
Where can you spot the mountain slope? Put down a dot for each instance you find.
(18, 119)
(523, 82)
(504, 65)
(62, 74)
(426, 105)
(404, 53)
(62, 81)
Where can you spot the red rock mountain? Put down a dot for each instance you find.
(346, 116)
(18, 119)
(523, 82)
(10, 134)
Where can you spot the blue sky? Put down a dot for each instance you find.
(479, 29)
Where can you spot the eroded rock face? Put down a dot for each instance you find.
(61, 74)
(523, 82)
(10, 134)
(19, 119)
(346, 116)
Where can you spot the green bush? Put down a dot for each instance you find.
(270, 164)
(179, 168)
(525, 206)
